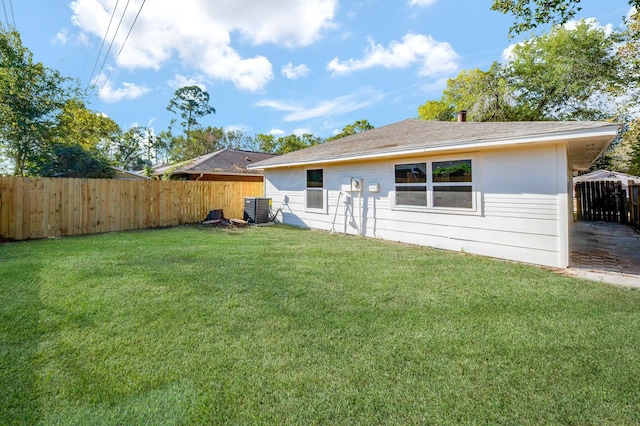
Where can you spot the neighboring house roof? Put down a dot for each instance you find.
(586, 140)
(127, 175)
(226, 161)
(606, 175)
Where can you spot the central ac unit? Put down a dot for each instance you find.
(256, 210)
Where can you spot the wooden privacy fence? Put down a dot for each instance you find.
(52, 207)
(634, 204)
(601, 200)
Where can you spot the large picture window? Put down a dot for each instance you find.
(315, 191)
(439, 184)
(411, 184)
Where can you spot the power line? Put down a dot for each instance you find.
(104, 38)
(130, 29)
(113, 39)
(6, 17)
(86, 56)
(125, 42)
(13, 16)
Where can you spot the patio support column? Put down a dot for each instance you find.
(565, 214)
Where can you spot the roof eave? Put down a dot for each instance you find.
(465, 146)
(213, 173)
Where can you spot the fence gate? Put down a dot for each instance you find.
(602, 200)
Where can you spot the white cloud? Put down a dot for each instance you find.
(337, 106)
(277, 105)
(293, 73)
(277, 132)
(435, 87)
(593, 23)
(302, 131)
(198, 32)
(62, 37)
(421, 2)
(435, 58)
(181, 81)
(507, 53)
(127, 91)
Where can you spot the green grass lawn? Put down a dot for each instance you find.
(278, 325)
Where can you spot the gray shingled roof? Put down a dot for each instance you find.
(226, 161)
(415, 134)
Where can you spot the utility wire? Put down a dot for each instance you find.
(13, 16)
(104, 38)
(125, 42)
(6, 17)
(113, 39)
(86, 56)
(130, 29)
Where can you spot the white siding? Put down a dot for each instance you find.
(521, 205)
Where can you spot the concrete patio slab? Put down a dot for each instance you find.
(606, 252)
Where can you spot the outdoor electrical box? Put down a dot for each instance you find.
(374, 187)
(356, 185)
(256, 210)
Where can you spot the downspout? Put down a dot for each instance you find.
(199, 177)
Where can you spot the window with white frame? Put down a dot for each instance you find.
(315, 189)
(438, 184)
(411, 184)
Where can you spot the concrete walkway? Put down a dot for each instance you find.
(606, 252)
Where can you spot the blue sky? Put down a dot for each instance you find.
(270, 66)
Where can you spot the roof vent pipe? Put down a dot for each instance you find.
(462, 116)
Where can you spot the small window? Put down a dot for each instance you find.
(314, 178)
(452, 184)
(315, 191)
(411, 184)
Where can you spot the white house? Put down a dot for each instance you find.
(495, 189)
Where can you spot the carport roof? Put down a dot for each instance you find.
(585, 141)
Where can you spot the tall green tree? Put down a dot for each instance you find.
(265, 143)
(567, 73)
(135, 150)
(436, 111)
(238, 139)
(529, 14)
(77, 125)
(203, 141)
(191, 103)
(196, 142)
(31, 95)
(629, 55)
(72, 161)
(285, 144)
(485, 95)
(632, 138)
